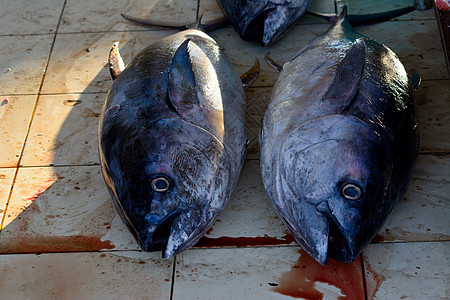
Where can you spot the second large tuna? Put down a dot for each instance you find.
(339, 141)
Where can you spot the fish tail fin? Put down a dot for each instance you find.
(151, 23)
(331, 18)
(343, 13)
(212, 25)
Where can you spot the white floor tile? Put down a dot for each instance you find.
(263, 273)
(29, 17)
(15, 115)
(22, 62)
(408, 271)
(104, 15)
(249, 218)
(434, 115)
(424, 213)
(114, 275)
(6, 178)
(57, 210)
(64, 130)
(78, 62)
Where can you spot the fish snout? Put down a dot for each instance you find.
(341, 244)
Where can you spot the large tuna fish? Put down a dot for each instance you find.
(172, 139)
(339, 141)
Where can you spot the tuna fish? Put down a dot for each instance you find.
(339, 141)
(264, 21)
(172, 139)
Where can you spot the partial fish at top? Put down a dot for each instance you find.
(266, 21)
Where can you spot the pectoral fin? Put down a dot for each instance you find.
(115, 61)
(250, 76)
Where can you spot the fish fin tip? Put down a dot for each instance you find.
(272, 63)
(415, 79)
(251, 75)
(344, 11)
(181, 85)
(167, 254)
(151, 23)
(423, 4)
(115, 61)
(348, 76)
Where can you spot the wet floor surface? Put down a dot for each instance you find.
(61, 237)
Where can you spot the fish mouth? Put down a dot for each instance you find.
(339, 243)
(321, 235)
(158, 239)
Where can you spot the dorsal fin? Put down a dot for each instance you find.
(348, 77)
(181, 86)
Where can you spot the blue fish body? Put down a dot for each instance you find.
(339, 141)
(172, 140)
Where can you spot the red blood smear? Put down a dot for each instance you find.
(300, 281)
(225, 241)
(31, 244)
(373, 280)
(377, 239)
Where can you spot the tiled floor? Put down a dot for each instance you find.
(60, 235)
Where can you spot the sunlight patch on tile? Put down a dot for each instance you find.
(6, 178)
(22, 62)
(29, 17)
(58, 209)
(15, 115)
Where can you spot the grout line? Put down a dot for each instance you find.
(26, 34)
(54, 93)
(198, 10)
(172, 284)
(206, 248)
(60, 166)
(32, 117)
(437, 153)
(364, 277)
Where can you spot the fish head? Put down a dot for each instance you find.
(332, 186)
(172, 180)
(268, 21)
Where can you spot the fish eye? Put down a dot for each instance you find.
(351, 191)
(160, 184)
